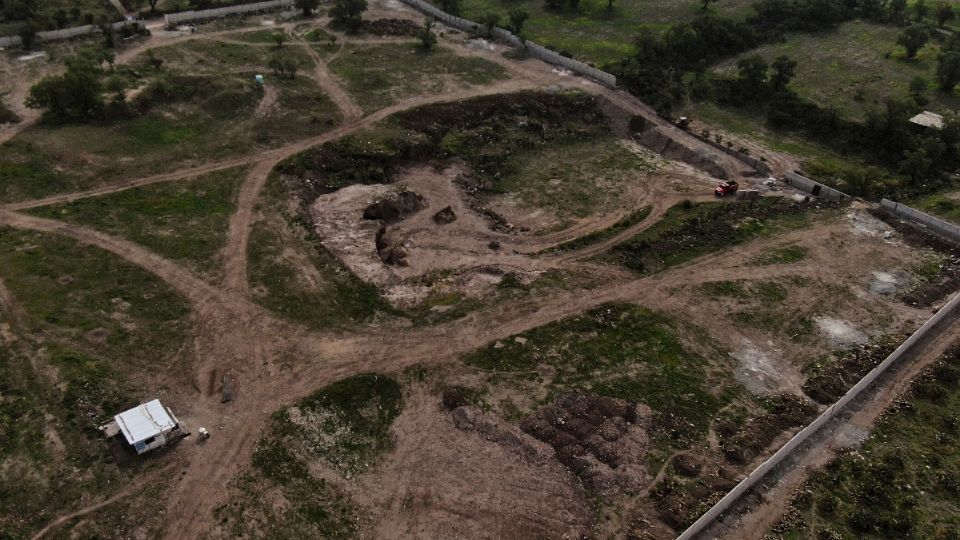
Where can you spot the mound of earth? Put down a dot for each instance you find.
(391, 27)
(395, 207)
(601, 439)
(445, 216)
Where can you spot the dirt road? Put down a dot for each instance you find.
(231, 334)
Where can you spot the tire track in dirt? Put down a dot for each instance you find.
(332, 87)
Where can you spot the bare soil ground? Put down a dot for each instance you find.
(468, 473)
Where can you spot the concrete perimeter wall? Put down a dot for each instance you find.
(753, 162)
(805, 184)
(202, 15)
(533, 49)
(928, 328)
(66, 33)
(936, 225)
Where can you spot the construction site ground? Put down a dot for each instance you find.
(403, 376)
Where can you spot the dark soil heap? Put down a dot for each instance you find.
(395, 207)
(602, 439)
(445, 216)
(391, 27)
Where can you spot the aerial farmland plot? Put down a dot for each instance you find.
(348, 270)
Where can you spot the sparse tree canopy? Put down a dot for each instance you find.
(427, 38)
(489, 22)
(920, 10)
(948, 70)
(783, 72)
(348, 13)
(945, 14)
(918, 87)
(74, 96)
(279, 38)
(517, 18)
(913, 38)
(307, 6)
(28, 34)
(753, 71)
(705, 4)
(450, 6)
(898, 10)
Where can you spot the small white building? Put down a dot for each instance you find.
(928, 119)
(145, 427)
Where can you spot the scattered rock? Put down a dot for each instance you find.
(494, 245)
(453, 398)
(445, 216)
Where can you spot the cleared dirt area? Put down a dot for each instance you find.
(505, 306)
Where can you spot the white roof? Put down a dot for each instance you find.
(144, 421)
(928, 119)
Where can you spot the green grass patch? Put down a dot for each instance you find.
(186, 221)
(207, 56)
(380, 75)
(781, 255)
(730, 289)
(344, 423)
(81, 288)
(857, 66)
(903, 482)
(594, 32)
(690, 231)
(623, 351)
(574, 180)
(259, 36)
(943, 206)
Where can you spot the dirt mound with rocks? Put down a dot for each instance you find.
(395, 207)
(391, 27)
(445, 216)
(603, 440)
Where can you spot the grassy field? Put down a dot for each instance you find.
(576, 180)
(595, 33)
(84, 293)
(381, 75)
(184, 221)
(622, 351)
(180, 119)
(344, 425)
(856, 67)
(943, 206)
(903, 482)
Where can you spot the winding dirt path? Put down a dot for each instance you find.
(233, 335)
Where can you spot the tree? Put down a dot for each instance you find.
(783, 72)
(898, 10)
(118, 88)
(28, 34)
(155, 63)
(276, 64)
(153, 5)
(705, 4)
(913, 38)
(427, 38)
(348, 13)
(74, 96)
(920, 10)
(917, 164)
(753, 72)
(450, 6)
(60, 18)
(279, 38)
(517, 18)
(948, 70)
(307, 6)
(490, 21)
(918, 87)
(290, 67)
(945, 14)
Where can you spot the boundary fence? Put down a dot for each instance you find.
(760, 472)
(814, 188)
(532, 48)
(215, 13)
(934, 224)
(65, 33)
